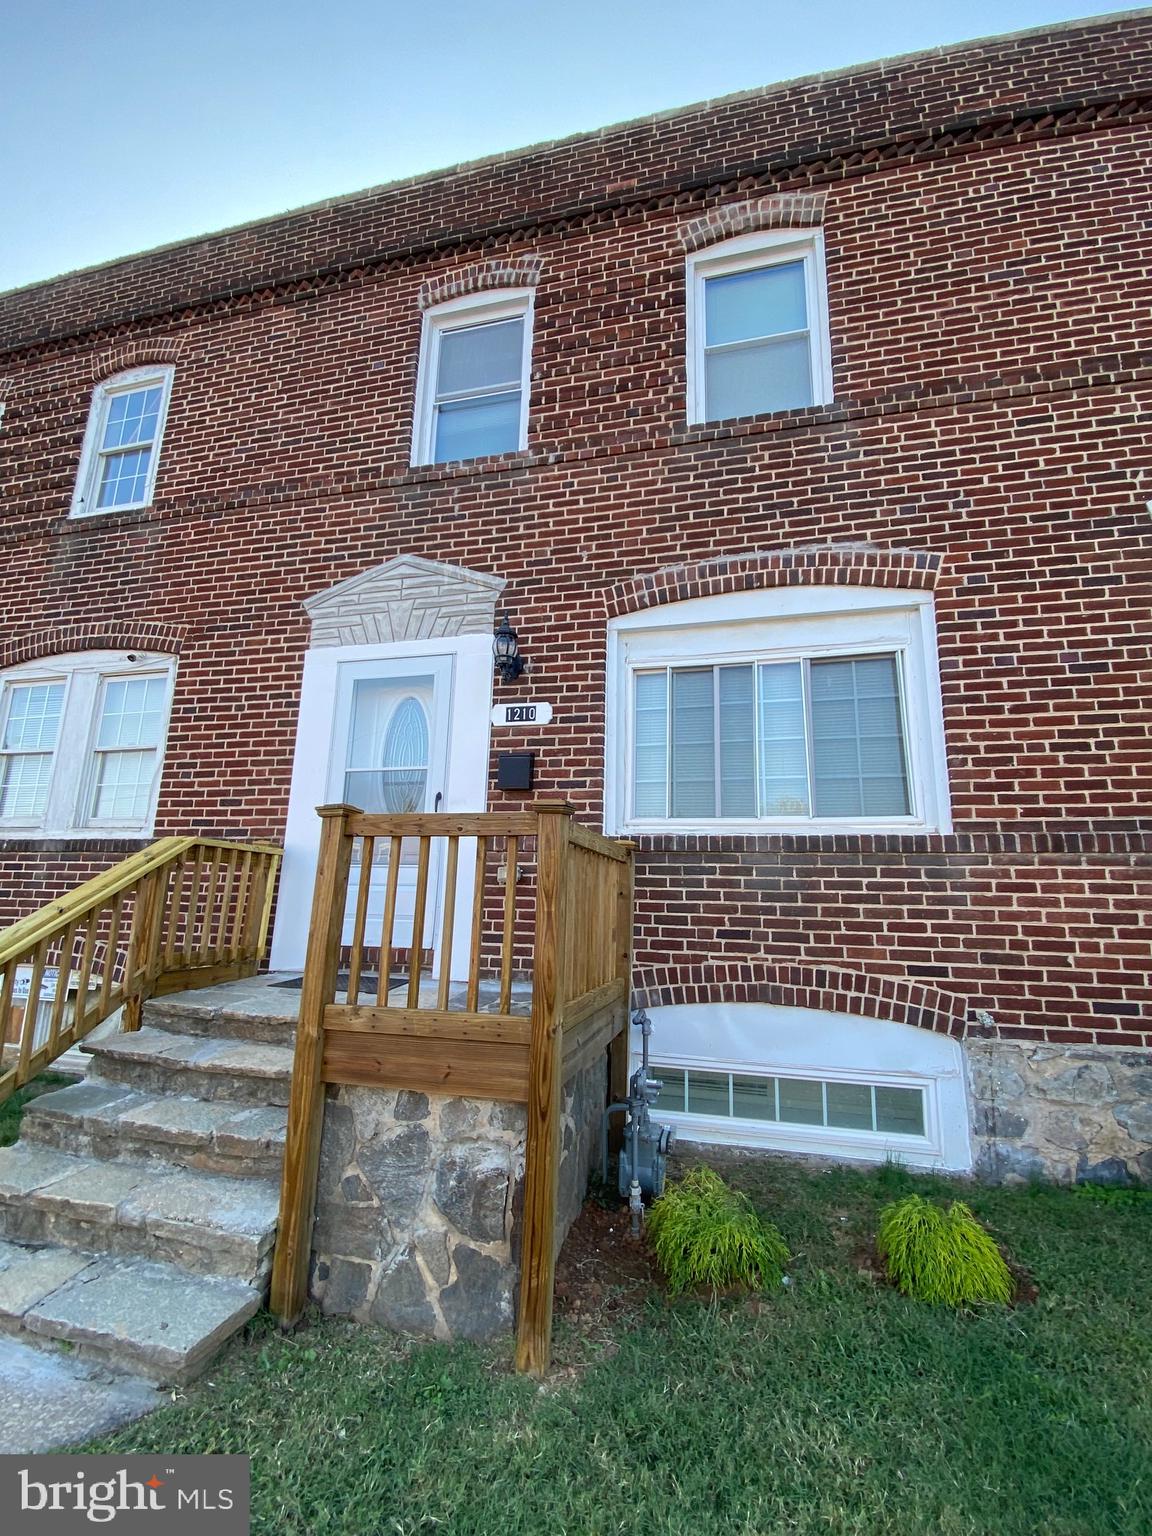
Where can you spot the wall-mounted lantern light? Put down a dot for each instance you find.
(506, 649)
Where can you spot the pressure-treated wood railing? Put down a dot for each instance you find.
(490, 986)
(186, 912)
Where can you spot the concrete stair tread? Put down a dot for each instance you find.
(50, 1400)
(203, 1053)
(136, 1313)
(136, 1194)
(258, 1008)
(182, 1125)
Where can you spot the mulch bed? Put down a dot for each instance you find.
(603, 1271)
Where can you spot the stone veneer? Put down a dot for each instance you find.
(1071, 1113)
(418, 1204)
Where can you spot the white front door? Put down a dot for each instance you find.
(388, 728)
(390, 757)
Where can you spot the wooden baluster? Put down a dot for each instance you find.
(112, 944)
(422, 862)
(395, 848)
(511, 854)
(542, 1155)
(448, 926)
(80, 1009)
(254, 927)
(367, 847)
(65, 971)
(240, 907)
(143, 946)
(204, 948)
(174, 915)
(270, 864)
(306, 1103)
(230, 861)
(8, 1078)
(473, 998)
(31, 1009)
(188, 953)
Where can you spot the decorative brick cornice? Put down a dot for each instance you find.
(137, 353)
(62, 638)
(501, 272)
(812, 565)
(797, 986)
(789, 210)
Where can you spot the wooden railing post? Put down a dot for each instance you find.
(542, 1156)
(143, 947)
(306, 1103)
(618, 1051)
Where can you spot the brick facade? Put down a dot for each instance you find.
(984, 211)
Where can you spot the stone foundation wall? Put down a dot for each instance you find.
(1071, 1113)
(418, 1204)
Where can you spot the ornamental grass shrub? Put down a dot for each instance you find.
(940, 1255)
(706, 1234)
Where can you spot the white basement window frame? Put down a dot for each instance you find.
(440, 398)
(786, 347)
(759, 629)
(82, 741)
(121, 452)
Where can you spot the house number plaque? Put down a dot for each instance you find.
(522, 714)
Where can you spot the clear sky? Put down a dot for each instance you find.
(129, 123)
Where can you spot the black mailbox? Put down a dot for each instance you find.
(515, 770)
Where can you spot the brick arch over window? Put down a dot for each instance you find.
(501, 272)
(788, 210)
(795, 986)
(53, 641)
(136, 353)
(808, 565)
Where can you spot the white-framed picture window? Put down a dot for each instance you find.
(474, 378)
(82, 743)
(121, 450)
(791, 710)
(758, 326)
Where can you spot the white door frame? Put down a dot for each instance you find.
(466, 780)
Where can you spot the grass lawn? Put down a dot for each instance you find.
(832, 1406)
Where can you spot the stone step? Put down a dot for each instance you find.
(49, 1399)
(129, 1314)
(258, 1009)
(114, 1123)
(155, 1061)
(204, 1222)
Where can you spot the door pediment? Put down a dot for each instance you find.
(407, 598)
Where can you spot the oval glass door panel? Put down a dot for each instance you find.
(388, 747)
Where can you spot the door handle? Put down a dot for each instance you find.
(436, 802)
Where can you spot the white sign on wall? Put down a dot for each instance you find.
(522, 714)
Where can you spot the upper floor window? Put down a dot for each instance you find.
(475, 360)
(758, 326)
(81, 742)
(795, 710)
(122, 443)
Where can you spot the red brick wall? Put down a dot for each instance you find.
(988, 295)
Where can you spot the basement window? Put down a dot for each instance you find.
(875, 1108)
(121, 450)
(472, 394)
(82, 743)
(758, 326)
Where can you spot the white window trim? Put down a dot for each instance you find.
(72, 782)
(779, 624)
(473, 309)
(84, 496)
(746, 254)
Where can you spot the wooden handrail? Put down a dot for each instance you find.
(138, 929)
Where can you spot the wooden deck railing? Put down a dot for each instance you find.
(497, 987)
(186, 912)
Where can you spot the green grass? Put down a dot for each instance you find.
(834, 1406)
(12, 1109)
